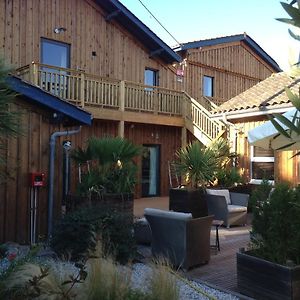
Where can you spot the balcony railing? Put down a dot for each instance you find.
(86, 90)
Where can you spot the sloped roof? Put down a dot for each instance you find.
(67, 112)
(157, 47)
(229, 39)
(267, 94)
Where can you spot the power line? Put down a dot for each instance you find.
(159, 22)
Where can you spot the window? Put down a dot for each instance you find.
(151, 77)
(262, 164)
(208, 86)
(55, 53)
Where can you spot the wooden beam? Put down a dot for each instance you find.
(135, 117)
(212, 68)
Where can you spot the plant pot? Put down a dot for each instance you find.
(188, 200)
(261, 279)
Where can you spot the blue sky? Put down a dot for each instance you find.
(192, 20)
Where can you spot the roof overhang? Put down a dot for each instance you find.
(118, 12)
(65, 111)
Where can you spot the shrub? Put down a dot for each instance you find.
(76, 234)
(228, 177)
(276, 223)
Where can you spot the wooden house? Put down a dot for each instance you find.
(220, 68)
(99, 59)
(251, 109)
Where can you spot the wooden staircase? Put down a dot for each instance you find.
(114, 98)
(199, 122)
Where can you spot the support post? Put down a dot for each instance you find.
(121, 128)
(33, 71)
(183, 137)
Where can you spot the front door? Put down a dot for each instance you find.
(151, 171)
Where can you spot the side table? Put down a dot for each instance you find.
(217, 224)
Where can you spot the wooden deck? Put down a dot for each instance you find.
(221, 270)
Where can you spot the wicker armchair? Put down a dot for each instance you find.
(226, 206)
(184, 241)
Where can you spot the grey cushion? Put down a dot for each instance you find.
(168, 214)
(236, 208)
(223, 192)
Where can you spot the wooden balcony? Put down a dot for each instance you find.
(112, 99)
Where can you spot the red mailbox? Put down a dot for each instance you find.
(37, 179)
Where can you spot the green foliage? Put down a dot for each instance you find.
(9, 119)
(197, 163)
(276, 223)
(228, 177)
(200, 164)
(3, 249)
(294, 13)
(111, 168)
(75, 235)
(221, 148)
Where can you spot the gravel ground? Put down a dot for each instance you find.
(141, 274)
(139, 279)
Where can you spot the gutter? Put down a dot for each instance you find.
(231, 115)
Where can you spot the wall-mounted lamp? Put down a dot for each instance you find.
(59, 29)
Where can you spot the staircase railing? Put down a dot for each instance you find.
(201, 118)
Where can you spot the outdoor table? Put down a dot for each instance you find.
(217, 224)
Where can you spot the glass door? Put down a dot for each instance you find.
(55, 54)
(151, 171)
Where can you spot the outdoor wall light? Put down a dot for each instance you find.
(59, 29)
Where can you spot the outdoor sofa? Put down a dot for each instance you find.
(176, 236)
(229, 207)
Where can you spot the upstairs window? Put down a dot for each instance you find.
(151, 77)
(208, 86)
(262, 164)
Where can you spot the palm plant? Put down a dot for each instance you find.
(110, 165)
(197, 163)
(292, 127)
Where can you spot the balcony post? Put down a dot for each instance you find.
(33, 71)
(121, 128)
(156, 99)
(82, 86)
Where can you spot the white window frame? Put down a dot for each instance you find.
(259, 159)
(204, 87)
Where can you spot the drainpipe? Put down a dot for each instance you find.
(51, 174)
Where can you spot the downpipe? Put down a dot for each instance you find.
(51, 173)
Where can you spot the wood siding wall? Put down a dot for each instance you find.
(286, 168)
(119, 54)
(30, 153)
(234, 67)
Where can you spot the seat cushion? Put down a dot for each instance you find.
(224, 193)
(236, 208)
(167, 214)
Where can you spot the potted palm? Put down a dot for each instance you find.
(197, 165)
(107, 171)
